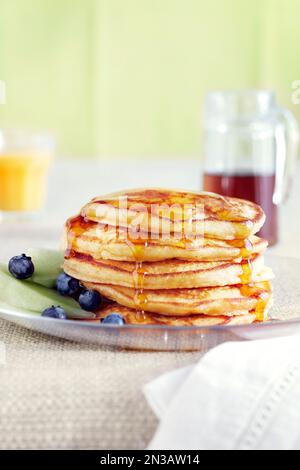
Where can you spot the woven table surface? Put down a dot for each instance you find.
(56, 394)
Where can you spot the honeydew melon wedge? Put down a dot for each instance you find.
(48, 264)
(33, 297)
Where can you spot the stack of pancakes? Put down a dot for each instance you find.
(172, 257)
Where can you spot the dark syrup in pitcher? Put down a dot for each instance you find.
(254, 187)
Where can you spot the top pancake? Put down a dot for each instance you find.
(187, 214)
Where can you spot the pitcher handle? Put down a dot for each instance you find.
(286, 141)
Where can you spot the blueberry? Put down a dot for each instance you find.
(55, 312)
(67, 285)
(21, 267)
(90, 300)
(114, 319)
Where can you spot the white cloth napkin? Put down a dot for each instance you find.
(241, 395)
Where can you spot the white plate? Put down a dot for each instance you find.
(285, 321)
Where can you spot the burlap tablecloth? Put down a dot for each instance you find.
(57, 394)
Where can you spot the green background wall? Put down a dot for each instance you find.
(119, 78)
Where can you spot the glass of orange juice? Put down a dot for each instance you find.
(25, 158)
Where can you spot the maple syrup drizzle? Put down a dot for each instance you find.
(261, 304)
(224, 214)
(247, 250)
(246, 277)
(76, 227)
(261, 297)
(138, 275)
(245, 247)
(247, 269)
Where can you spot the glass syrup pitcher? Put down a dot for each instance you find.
(250, 147)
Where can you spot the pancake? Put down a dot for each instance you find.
(105, 242)
(211, 301)
(169, 274)
(131, 317)
(172, 257)
(162, 211)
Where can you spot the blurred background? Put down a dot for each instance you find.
(127, 78)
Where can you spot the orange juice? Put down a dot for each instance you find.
(23, 180)
(25, 157)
